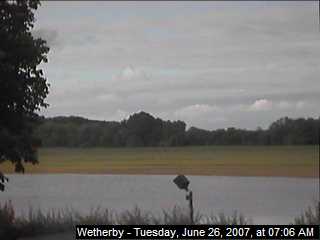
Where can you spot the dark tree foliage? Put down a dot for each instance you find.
(142, 129)
(23, 87)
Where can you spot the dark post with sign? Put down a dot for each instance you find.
(182, 183)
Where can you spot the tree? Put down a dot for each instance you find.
(23, 87)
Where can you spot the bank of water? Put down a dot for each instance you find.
(267, 200)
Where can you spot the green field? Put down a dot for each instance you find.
(295, 161)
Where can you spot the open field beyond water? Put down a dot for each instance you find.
(290, 161)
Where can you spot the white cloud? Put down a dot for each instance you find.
(284, 105)
(261, 105)
(130, 73)
(193, 111)
(301, 104)
(200, 114)
(120, 114)
(108, 97)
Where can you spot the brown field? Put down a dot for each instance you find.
(287, 161)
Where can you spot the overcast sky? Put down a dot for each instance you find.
(210, 64)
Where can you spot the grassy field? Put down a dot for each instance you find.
(293, 161)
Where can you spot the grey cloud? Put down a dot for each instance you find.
(171, 59)
(50, 35)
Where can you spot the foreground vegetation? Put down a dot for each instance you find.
(294, 161)
(38, 223)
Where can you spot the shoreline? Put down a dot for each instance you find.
(162, 174)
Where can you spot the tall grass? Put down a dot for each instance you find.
(7, 221)
(311, 216)
(235, 219)
(39, 223)
(6, 214)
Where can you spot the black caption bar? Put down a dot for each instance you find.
(197, 232)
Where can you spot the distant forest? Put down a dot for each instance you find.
(142, 129)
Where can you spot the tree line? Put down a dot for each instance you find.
(142, 129)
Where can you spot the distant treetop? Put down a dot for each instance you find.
(142, 129)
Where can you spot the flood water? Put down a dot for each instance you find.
(267, 200)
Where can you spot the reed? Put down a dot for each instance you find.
(37, 222)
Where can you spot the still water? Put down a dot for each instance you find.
(267, 200)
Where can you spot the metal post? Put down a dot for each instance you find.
(182, 183)
(190, 199)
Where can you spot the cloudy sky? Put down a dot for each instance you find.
(211, 64)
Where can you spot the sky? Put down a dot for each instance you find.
(210, 64)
